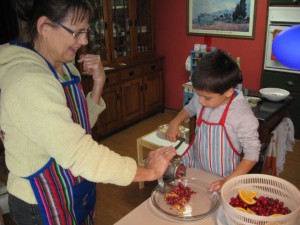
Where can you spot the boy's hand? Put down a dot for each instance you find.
(173, 132)
(217, 185)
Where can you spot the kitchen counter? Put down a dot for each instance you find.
(147, 214)
(266, 110)
(269, 114)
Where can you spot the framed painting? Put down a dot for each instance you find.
(225, 18)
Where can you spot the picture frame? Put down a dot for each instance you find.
(223, 18)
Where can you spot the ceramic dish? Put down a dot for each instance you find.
(201, 204)
(274, 94)
(252, 100)
(162, 129)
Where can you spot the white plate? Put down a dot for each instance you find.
(221, 216)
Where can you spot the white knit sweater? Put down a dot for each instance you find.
(38, 125)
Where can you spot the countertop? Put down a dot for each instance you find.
(146, 214)
(265, 109)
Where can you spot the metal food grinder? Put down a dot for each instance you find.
(175, 170)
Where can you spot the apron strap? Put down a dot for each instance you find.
(223, 118)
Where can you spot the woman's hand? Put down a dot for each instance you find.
(92, 65)
(156, 164)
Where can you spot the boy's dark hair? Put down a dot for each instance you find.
(216, 72)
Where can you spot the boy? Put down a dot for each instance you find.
(226, 139)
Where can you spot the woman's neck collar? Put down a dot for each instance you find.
(58, 66)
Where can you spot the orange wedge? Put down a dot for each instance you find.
(241, 209)
(277, 214)
(251, 194)
(250, 211)
(244, 196)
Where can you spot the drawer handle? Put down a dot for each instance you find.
(131, 73)
(153, 67)
(290, 83)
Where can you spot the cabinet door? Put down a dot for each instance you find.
(288, 81)
(153, 91)
(110, 118)
(98, 38)
(132, 99)
(284, 2)
(144, 27)
(121, 32)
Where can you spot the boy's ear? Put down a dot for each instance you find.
(229, 92)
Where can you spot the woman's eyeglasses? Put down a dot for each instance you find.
(76, 35)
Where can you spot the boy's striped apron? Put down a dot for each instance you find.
(211, 149)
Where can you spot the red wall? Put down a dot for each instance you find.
(173, 42)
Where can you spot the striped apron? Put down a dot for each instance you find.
(211, 150)
(62, 198)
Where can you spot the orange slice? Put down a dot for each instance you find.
(276, 214)
(241, 209)
(250, 211)
(251, 194)
(244, 195)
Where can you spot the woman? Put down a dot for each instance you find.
(52, 158)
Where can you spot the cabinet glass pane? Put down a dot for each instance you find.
(143, 26)
(121, 27)
(97, 38)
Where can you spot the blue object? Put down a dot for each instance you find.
(286, 47)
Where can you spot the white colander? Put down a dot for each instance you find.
(264, 185)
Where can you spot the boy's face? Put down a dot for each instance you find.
(212, 100)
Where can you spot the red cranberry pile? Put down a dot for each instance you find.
(264, 206)
(178, 197)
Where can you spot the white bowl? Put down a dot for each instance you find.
(274, 94)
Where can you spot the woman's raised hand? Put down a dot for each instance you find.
(92, 65)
